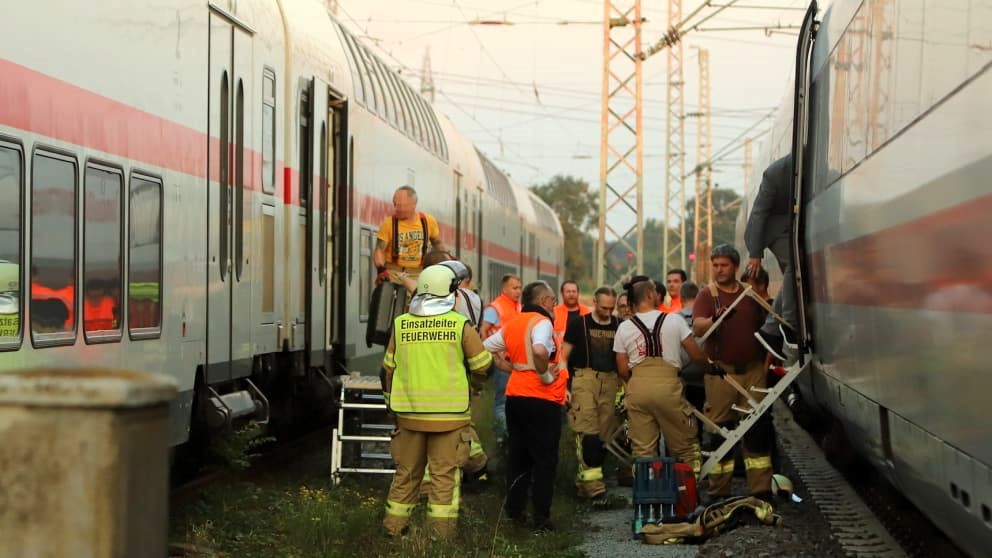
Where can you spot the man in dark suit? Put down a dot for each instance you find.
(769, 226)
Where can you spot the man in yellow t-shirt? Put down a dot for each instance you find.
(401, 243)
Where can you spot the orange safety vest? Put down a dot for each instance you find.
(99, 316)
(506, 309)
(561, 321)
(672, 308)
(524, 381)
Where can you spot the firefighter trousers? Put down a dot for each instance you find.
(412, 451)
(593, 419)
(656, 404)
(757, 443)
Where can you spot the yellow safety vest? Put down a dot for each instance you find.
(430, 372)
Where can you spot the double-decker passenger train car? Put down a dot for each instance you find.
(893, 141)
(193, 189)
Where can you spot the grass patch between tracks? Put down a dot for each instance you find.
(301, 514)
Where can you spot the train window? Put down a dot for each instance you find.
(377, 74)
(394, 89)
(380, 105)
(224, 206)
(421, 119)
(322, 182)
(268, 131)
(11, 176)
(53, 249)
(413, 128)
(366, 273)
(387, 77)
(353, 65)
(268, 233)
(239, 180)
(363, 71)
(144, 279)
(103, 266)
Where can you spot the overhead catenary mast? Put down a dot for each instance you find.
(621, 168)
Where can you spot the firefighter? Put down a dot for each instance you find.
(425, 384)
(535, 395)
(588, 350)
(734, 351)
(655, 400)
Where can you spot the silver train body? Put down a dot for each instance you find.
(218, 172)
(894, 228)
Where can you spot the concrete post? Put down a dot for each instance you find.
(84, 464)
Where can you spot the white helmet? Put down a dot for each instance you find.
(435, 291)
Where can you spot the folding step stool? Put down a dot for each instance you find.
(755, 409)
(363, 429)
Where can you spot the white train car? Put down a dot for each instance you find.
(894, 194)
(194, 189)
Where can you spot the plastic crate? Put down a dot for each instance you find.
(655, 491)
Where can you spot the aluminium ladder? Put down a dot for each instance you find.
(363, 429)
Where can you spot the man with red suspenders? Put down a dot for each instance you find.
(404, 239)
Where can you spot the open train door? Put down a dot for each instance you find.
(229, 166)
(800, 132)
(317, 284)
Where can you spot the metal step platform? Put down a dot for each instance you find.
(360, 442)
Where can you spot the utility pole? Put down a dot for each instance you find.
(621, 158)
(674, 225)
(703, 209)
(427, 77)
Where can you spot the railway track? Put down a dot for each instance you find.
(276, 455)
(867, 516)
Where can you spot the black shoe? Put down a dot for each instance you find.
(771, 343)
(543, 526)
(789, 335)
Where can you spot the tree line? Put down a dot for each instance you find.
(577, 207)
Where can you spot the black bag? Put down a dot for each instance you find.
(388, 301)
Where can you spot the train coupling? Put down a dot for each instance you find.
(248, 403)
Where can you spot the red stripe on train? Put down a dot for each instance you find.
(941, 261)
(41, 104)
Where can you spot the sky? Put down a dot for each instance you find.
(529, 94)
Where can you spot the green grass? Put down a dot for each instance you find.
(303, 515)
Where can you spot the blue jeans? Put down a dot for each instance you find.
(500, 379)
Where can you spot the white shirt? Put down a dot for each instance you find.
(630, 341)
(463, 299)
(542, 334)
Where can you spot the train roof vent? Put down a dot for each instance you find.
(545, 216)
(498, 184)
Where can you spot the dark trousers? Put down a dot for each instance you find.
(534, 427)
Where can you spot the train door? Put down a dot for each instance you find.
(314, 162)
(338, 220)
(229, 126)
(807, 36)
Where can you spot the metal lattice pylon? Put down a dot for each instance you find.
(621, 167)
(703, 208)
(674, 225)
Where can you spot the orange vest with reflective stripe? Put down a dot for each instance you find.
(99, 316)
(561, 320)
(506, 309)
(524, 381)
